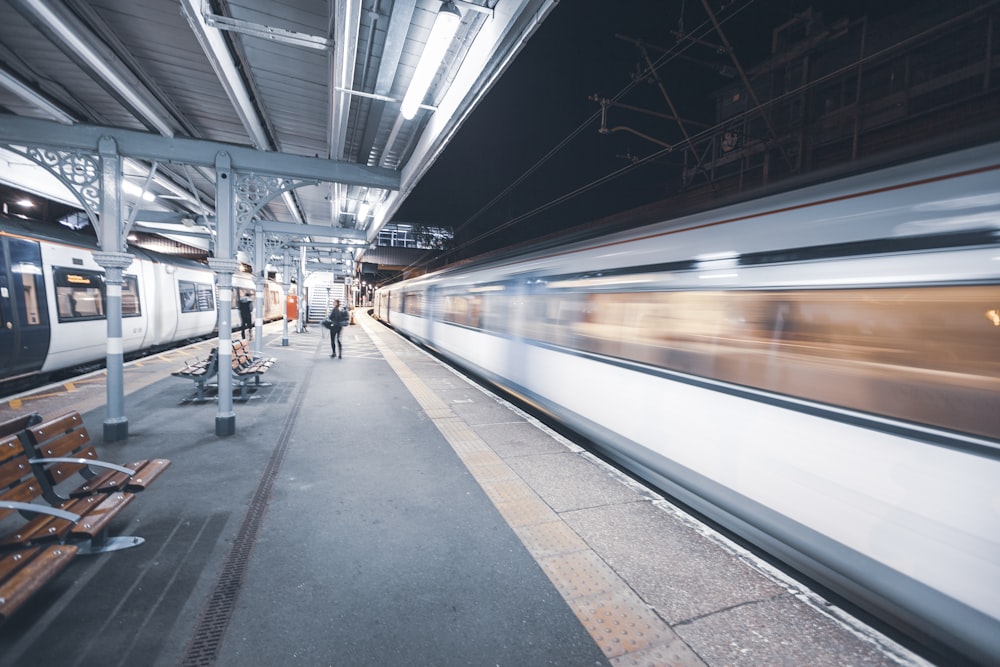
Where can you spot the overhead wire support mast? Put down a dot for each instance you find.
(670, 103)
(746, 83)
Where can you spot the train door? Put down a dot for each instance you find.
(24, 320)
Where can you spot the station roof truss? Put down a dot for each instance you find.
(302, 96)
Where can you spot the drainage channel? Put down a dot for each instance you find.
(211, 627)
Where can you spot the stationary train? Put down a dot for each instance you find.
(817, 371)
(52, 302)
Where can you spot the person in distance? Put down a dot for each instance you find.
(338, 319)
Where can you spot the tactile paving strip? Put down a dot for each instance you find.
(625, 628)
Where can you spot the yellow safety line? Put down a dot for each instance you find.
(625, 628)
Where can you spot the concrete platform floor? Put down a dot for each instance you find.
(382, 510)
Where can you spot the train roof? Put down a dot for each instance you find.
(57, 233)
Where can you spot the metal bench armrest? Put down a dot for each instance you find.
(92, 462)
(39, 509)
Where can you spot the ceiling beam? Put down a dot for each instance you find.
(292, 229)
(31, 94)
(328, 245)
(79, 43)
(217, 52)
(21, 131)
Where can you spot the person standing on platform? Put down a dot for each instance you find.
(246, 316)
(338, 318)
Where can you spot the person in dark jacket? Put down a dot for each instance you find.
(246, 316)
(339, 318)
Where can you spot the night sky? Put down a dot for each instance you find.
(541, 105)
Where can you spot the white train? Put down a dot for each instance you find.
(817, 371)
(52, 300)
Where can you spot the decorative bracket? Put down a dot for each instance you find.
(272, 246)
(78, 171)
(254, 191)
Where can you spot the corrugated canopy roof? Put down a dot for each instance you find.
(305, 78)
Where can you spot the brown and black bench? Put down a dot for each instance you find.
(31, 549)
(200, 371)
(53, 464)
(65, 461)
(248, 369)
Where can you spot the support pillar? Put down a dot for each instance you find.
(286, 284)
(115, 421)
(300, 280)
(260, 281)
(114, 260)
(225, 265)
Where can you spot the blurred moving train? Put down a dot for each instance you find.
(817, 371)
(52, 301)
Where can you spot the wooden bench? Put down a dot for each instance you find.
(58, 455)
(200, 372)
(247, 368)
(26, 564)
(63, 449)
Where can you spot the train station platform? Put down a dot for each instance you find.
(380, 509)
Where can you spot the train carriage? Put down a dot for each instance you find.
(818, 371)
(53, 296)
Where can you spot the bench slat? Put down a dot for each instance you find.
(112, 480)
(24, 572)
(12, 461)
(15, 425)
(41, 528)
(96, 511)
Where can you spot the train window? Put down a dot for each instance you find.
(206, 296)
(922, 354)
(29, 291)
(240, 292)
(551, 318)
(461, 309)
(196, 296)
(189, 296)
(130, 297)
(494, 312)
(79, 294)
(413, 303)
(26, 265)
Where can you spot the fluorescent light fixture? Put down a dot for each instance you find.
(130, 188)
(291, 205)
(25, 203)
(445, 25)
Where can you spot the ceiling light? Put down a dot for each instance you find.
(445, 25)
(25, 203)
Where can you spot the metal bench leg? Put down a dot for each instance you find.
(103, 544)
